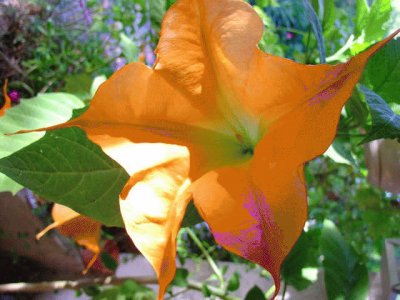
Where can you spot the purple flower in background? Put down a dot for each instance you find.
(15, 96)
(289, 35)
(149, 55)
(106, 4)
(86, 12)
(118, 63)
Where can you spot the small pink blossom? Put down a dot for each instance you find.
(289, 35)
(15, 96)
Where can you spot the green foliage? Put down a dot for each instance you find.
(129, 290)
(192, 216)
(255, 294)
(108, 261)
(58, 54)
(129, 48)
(304, 254)
(383, 72)
(181, 278)
(385, 122)
(361, 17)
(234, 282)
(67, 168)
(317, 29)
(370, 23)
(345, 277)
(41, 111)
(79, 85)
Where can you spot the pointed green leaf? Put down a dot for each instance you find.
(181, 277)
(385, 122)
(41, 111)
(345, 277)
(66, 167)
(234, 282)
(301, 256)
(79, 85)
(362, 13)
(255, 294)
(192, 216)
(329, 17)
(382, 73)
(129, 48)
(378, 18)
(317, 29)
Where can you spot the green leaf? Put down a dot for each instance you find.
(9, 185)
(345, 277)
(97, 81)
(255, 294)
(109, 261)
(342, 147)
(180, 278)
(234, 282)
(41, 111)
(385, 123)
(371, 26)
(368, 198)
(317, 29)
(299, 258)
(192, 216)
(205, 290)
(378, 18)
(129, 48)
(170, 2)
(329, 17)
(157, 10)
(136, 291)
(79, 85)
(267, 3)
(362, 13)
(66, 167)
(382, 73)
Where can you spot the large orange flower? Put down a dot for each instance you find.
(250, 121)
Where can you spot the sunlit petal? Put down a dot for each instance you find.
(259, 219)
(153, 205)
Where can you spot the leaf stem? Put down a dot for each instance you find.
(350, 134)
(284, 289)
(209, 259)
(293, 30)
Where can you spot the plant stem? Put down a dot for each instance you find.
(293, 30)
(351, 134)
(284, 289)
(213, 290)
(210, 260)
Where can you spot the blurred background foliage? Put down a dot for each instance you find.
(49, 46)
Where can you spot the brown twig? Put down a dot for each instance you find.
(48, 286)
(11, 64)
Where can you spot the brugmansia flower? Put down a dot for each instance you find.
(249, 121)
(85, 231)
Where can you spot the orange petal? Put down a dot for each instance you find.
(136, 157)
(204, 43)
(7, 100)
(83, 230)
(301, 104)
(257, 218)
(153, 204)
